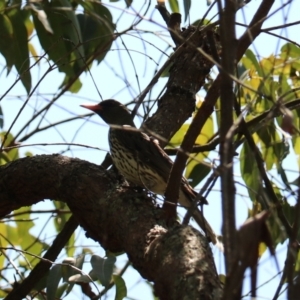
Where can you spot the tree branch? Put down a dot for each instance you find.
(119, 218)
(228, 62)
(21, 290)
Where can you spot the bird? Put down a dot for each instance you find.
(141, 160)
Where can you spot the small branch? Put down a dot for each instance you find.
(292, 255)
(20, 291)
(228, 62)
(161, 7)
(174, 28)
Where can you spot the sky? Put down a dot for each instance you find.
(121, 78)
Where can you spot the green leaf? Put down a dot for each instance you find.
(297, 264)
(24, 228)
(8, 235)
(295, 181)
(296, 137)
(261, 105)
(128, 3)
(103, 268)
(28, 153)
(26, 240)
(72, 30)
(64, 46)
(283, 176)
(249, 171)
(166, 71)
(1, 118)
(174, 6)
(196, 171)
(41, 15)
(285, 89)
(59, 223)
(20, 45)
(296, 144)
(241, 71)
(83, 278)
(177, 138)
(2, 6)
(187, 7)
(60, 290)
(69, 273)
(53, 281)
(75, 86)
(7, 41)
(66, 268)
(60, 219)
(12, 154)
(290, 50)
(275, 66)
(273, 148)
(97, 30)
(254, 63)
(204, 22)
(121, 290)
(79, 261)
(276, 229)
(4, 158)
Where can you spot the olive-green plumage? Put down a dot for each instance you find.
(140, 159)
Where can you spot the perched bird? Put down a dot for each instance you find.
(141, 160)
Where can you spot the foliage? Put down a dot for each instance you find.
(72, 41)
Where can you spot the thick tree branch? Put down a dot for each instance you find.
(187, 76)
(119, 218)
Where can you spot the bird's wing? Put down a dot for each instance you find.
(147, 151)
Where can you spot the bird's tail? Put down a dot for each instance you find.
(202, 222)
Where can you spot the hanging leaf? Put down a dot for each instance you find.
(40, 13)
(196, 168)
(174, 6)
(53, 281)
(97, 30)
(19, 46)
(7, 41)
(103, 268)
(121, 290)
(249, 171)
(269, 138)
(1, 118)
(254, 62)
(290, 50)
(187, 7)
(64, 46)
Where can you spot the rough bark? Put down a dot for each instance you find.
(187, 76)
(176, 258)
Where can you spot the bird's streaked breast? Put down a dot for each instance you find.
(132, 169)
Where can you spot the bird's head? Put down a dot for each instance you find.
(112, 112)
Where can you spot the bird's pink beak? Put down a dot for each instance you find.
(91, 107)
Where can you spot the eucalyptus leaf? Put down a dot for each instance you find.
(103, 268)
